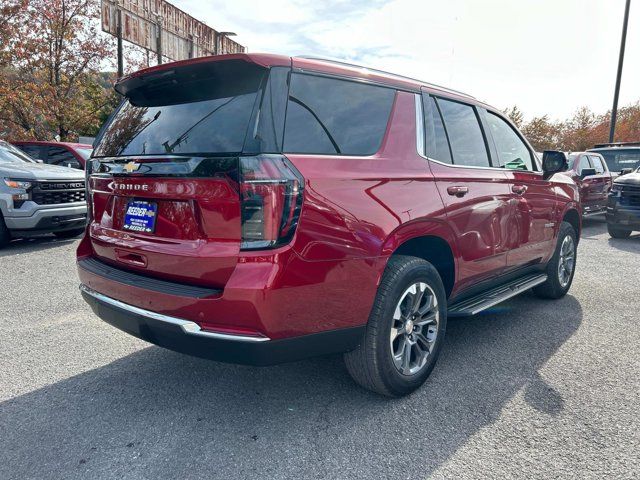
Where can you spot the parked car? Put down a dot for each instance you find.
(258, 209)
(621, 158)
(594, 180)
(36, 198)
(623, 210)
(64, 154)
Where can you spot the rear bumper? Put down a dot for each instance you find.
(188, 337)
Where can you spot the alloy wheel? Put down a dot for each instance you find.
(414, 328)
(567, 260)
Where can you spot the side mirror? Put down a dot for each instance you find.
(553, 161)
(588, 172)
(626, 171)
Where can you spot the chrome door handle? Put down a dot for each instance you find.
(519, 189)
(457, 191)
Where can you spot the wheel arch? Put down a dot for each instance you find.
(431, 241)
(572, 217)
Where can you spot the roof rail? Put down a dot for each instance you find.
(383, 72)
(617, 144)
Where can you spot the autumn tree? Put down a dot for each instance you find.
(541, 133)
(51, 85)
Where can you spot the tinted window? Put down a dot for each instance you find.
(597, 164)
(436, 144)
(467, 143)
(512, 151)
(618, 159)
(32, 150)
(330, 116)
(63, 157)
(199, 109)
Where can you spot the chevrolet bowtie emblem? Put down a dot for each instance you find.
(131, 167)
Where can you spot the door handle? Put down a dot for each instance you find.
(457, 191)
(519, 189)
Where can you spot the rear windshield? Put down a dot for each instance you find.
(201, 109)
(620, 159)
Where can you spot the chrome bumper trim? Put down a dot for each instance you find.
(187, 326)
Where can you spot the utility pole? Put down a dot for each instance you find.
(159, 20)
(614, 110)
(119, 35)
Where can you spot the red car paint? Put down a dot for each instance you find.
(356, 212)
(594, 189)
(72, 148)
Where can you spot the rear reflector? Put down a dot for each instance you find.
(271, 198)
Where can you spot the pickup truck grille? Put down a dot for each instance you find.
(55, 193)
(630, 196)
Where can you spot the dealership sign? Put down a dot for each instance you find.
(164, 29)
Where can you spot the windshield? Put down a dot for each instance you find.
(205, 110)
(10, 154)
(619, 159)
(571, 160)
(13, 152)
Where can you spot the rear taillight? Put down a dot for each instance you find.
(271, 198)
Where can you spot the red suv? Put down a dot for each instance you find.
(260, 209)
(65, 154)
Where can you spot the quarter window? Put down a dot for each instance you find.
(331, 116)
(465, 136)
(512, 151)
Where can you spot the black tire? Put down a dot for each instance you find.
(618, 232)
(371, 364)
(5, 235)
(69, 233)
(553, 287)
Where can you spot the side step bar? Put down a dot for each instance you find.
(484, 300)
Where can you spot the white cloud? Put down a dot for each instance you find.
(547, 56)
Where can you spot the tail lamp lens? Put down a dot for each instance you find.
(271, 191)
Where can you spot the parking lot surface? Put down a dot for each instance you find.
(532, 388)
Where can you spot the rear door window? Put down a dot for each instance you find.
(465, 135)
(329, 116)
(63, 157)
(513, 153)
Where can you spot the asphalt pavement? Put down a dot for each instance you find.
(530, 389)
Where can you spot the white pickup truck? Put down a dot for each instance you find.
(36, 198)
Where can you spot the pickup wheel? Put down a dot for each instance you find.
(69, 233)
(405, 330)
(5, 235)
(617, 232)
(562, 266)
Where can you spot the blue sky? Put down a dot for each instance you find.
(546, 56)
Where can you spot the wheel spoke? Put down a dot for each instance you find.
(427, 319)
(395, 332)
(417, 297)
(406, 356)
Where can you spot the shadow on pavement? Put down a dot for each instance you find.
(33, 244)
(158, 414)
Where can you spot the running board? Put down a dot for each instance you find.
(484, 300)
